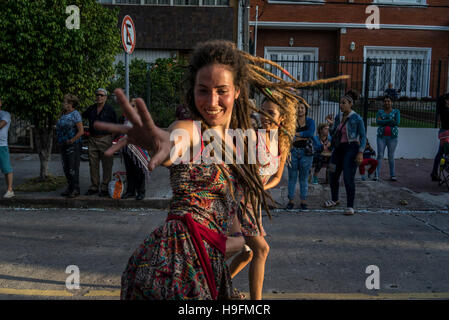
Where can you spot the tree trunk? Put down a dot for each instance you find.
(44, 144)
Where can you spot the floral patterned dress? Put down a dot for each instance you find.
(166, 265)
(245, 222)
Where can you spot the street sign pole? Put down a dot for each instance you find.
(127, 75)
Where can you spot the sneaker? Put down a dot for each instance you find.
(349, 211)
(314, 180)
(9, 194)
(393, 178)
(303, 206)
(375, 178)
(290, 205)
(363, 177)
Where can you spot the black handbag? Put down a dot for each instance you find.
(337, 137)
(308, 150)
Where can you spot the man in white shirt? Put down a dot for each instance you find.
(5, 163)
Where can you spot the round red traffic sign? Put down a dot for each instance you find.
(128, 34)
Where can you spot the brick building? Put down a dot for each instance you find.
(413, 36)
(166, 28)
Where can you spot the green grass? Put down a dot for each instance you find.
(51, 183)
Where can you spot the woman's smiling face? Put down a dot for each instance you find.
(215, 93)
(273, 110)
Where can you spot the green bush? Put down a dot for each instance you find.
(160, 81)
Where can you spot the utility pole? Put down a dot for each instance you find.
(255, 31)
(245, 24)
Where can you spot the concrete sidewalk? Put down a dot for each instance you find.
(414, 189)
(25, 166)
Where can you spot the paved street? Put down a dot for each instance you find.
(400, 227)
(313, 254)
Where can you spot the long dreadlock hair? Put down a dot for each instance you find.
(247, 71)
(287, 108)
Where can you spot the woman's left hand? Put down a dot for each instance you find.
(359, 158)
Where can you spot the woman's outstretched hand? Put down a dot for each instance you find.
(143, 133)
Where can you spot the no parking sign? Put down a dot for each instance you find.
(128, 34)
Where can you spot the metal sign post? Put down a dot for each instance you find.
(126, 75)
(128, 33)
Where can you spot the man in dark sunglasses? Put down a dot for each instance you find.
(99, 142)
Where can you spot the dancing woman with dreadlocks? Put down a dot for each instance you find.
(278, 116)
(185, 257)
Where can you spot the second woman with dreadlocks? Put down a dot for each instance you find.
(278, 116)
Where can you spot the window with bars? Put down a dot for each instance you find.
(300, 63)
(163, 2)
(400, 2)
(296, 1)
(407, 70)
(127, 1)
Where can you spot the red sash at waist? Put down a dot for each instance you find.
(198, 232)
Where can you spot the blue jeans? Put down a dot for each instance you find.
(300, 164)
(391, 144)
(343, 160)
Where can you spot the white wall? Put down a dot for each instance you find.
(147, 55)
(413, 143)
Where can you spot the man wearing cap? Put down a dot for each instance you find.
(99, 142)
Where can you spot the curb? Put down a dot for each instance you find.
(21, 202)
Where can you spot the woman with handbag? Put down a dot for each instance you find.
(301, 158)
(348, 142)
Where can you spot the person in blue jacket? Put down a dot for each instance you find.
(348, 141)
(388, 120)
(301, 157)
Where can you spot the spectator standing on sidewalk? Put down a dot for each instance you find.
(388, 120)
(301, 157)
(322, 150)
(183, 112)
(443, 113)
(391, 92)
(5, 162)
(348, 141)
(135, 173)
(368, 160)
(99, 142)
(69, 130)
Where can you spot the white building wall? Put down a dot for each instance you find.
(414, 143)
